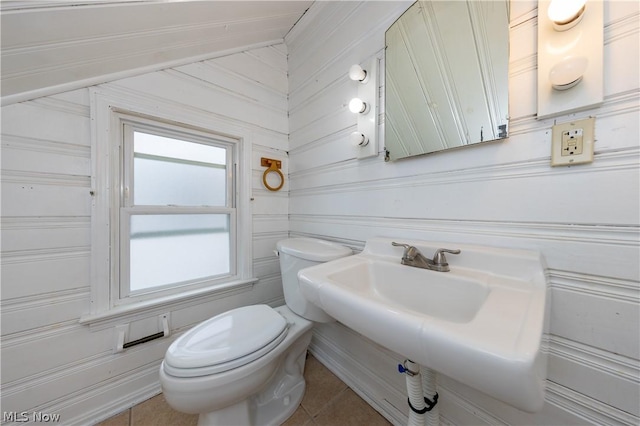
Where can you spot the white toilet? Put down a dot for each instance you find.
(245, 366)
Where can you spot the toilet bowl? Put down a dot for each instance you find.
(245, 366)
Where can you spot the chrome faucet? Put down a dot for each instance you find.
(413, 257)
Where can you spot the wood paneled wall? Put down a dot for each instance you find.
(584, 219)
(50, 362)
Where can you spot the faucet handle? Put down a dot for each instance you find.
(438, 257)
(406, 246)
(409, 251)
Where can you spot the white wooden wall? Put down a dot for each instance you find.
(584, 219)
(51, 363)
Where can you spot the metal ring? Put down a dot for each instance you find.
(273, 168)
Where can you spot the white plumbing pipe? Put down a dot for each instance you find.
(414, 389)
(430, 392)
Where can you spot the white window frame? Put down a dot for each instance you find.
(109, 112)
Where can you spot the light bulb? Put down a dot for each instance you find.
(357, 106)
(568, 72)
(565, 14)
(356, 73)
(359, 139)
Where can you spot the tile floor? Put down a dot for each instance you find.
(327, 402)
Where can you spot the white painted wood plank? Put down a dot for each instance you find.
(49, 47)
(274, 56)
(31, 313)
(512, 197)
(49, 351)
(78, 23)
(269, 267)
(596, 383)
(22, 277)
(266, 203)
(263, 138)
(30, 120)
(223, 104)
(23, 236)
(608, 254)
(23, 197)
(335, 97)
(270, 223)
(265, 245)
(46, 157)
(222, 78)
(595, 321)
(253, 68)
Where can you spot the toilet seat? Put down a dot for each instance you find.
(226, 341)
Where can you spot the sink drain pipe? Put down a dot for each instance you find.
(422, 410)
(430, 392)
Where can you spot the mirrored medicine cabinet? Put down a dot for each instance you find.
(446, 76)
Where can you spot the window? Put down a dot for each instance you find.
(168, 221)
(177, 211)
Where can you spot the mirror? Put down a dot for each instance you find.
(446, 76)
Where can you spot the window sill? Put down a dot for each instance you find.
(134, 311)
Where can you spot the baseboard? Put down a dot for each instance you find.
(110, 399)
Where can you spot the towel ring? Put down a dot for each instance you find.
(273, 166)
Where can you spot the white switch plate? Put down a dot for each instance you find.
(572, 142)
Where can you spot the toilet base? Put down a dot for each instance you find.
(276, 401)
(275, 412)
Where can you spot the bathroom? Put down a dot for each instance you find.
(284, 94)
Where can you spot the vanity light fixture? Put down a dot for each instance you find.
(565, 14)
(365, 105)
(570, 56)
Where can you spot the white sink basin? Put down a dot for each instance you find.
(454, 297)
(481, 323)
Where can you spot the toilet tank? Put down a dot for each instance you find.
(296, 254)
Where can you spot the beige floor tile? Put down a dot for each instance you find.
(327, 402)
(299, 418)
(156, 412)
(121, 419)
(322, 386)
(349, 410)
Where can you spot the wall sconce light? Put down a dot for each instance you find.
(570, 55)
(365, 105)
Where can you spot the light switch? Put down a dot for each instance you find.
(572, 142)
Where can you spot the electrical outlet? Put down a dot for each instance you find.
(572, 142)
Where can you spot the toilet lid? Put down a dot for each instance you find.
(227, 341)
(313, 249)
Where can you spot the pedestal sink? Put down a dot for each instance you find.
(481, 323)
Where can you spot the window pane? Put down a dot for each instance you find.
(166, 249)
(175, 172)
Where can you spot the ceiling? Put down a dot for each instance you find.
(51, 46)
